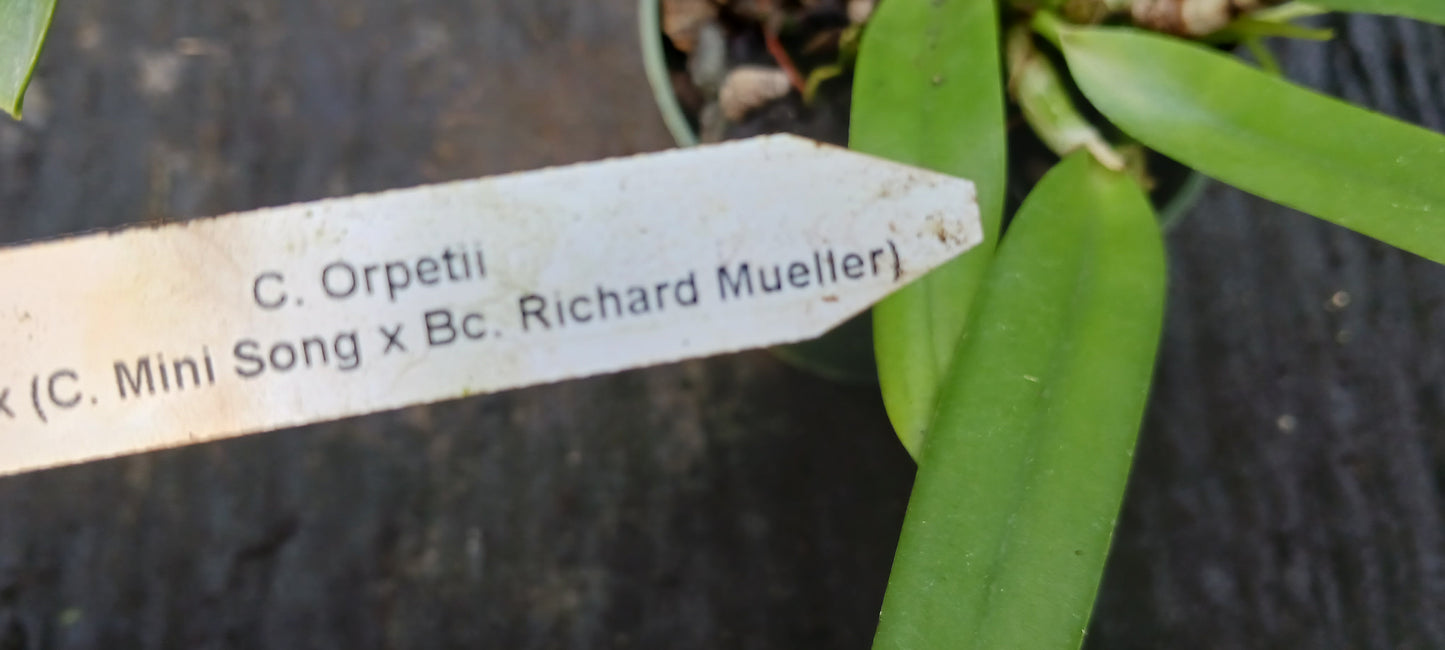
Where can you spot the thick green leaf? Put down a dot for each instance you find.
(23, 24)
(1339, 162)
(928, 91)
(1024, 468)
(1426, 10)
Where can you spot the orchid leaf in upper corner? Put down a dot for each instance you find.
(1432, 11)
(1354, 167)
(23, 24)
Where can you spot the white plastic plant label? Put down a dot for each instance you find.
(146, 338)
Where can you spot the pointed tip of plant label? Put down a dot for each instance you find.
(355, 305)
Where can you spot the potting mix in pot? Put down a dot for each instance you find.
(739, 68)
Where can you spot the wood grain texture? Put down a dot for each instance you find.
(729, 503)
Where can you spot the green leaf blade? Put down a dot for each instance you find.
(1359, 169)
(23, 24)
(1025, 466)
(1432, 11)
(928, 91)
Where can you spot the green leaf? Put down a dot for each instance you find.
(1024, 468)
(23, 24)
(1427, 10)
(1339, 162)
(928, 91)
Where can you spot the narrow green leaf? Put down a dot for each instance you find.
(1427, 10)
(23, 24)
(928, 91)
(1339, 162)
(1024, 468)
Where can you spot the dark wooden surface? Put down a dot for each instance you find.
(1288, 488)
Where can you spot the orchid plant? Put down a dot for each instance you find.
(1017, 377)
